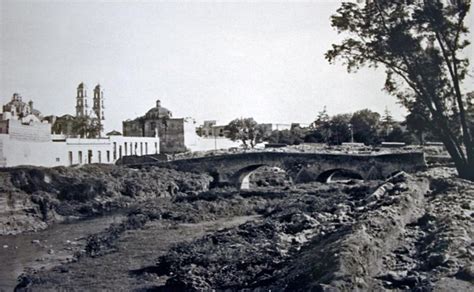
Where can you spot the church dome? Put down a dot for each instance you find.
(20, 107)
(158, 112)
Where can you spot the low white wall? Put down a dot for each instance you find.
(35, 131)
(14, 152)
(108, 150)
(85, 151)
(135, 145)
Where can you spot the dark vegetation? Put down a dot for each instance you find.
(363, 126)
(420, 45)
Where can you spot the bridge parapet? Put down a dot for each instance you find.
(301, 167)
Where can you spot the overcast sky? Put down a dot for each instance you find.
(209, 61)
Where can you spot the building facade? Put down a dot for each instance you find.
(17, 109)
(27, 138)
(30, 145)
(210, 129)
(158, 122)
(88, 122)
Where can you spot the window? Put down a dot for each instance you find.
(89, 156)
(108, 155)
(70, 158)
(99, 154)
(115, 150)
(120, 151)
(80, 157)
(58, 159)
(153, 128)
(141, 148)
(126, 149)
(146, 148)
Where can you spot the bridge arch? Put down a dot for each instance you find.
(241, 179)
(329, 175)
(230, 170)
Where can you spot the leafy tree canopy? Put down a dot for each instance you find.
(86, 127)
(339, 129)
(420, 44)
(365, 124)
(246, 130)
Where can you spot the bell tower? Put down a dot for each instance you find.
(81, 100)
(98, 107)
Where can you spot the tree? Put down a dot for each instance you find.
(314, 136)
(339, 129)
(387, 122)
(258, 134)
(80, 125)
(86, 127)
(398, 135)
(416, 122)
(94, 128)
(420, 44)
(322, 118)
(297, 133)
(365, 124)
(246, 130)
(322, 124)
(294, 136)
(470, 110)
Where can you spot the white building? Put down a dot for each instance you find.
(33, 144)
(26, 139)
(194, 142)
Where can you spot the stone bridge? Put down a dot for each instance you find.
(234, 169)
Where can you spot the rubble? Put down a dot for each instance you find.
(410, 232)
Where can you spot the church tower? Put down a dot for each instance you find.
(98, 106)
(81, 100)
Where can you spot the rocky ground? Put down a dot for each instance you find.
(33, 198)
(411, 232)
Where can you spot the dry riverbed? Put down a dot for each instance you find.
(410, 232)
(46, 249)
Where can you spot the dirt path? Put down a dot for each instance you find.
(134, 250)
